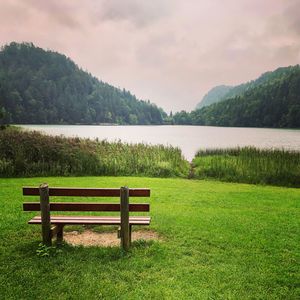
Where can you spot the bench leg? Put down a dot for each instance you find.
(124, 213)
(60, 233)
(45, 214)
(119, 233)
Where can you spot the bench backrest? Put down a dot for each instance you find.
(86, 192)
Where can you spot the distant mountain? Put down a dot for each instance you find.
(216, 94)
(45, 87)
(223, 92)
(273, 100)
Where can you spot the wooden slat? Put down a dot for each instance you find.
(86, 192)
(139, 192)
(140, 218)
(73, 206)
(92, 220)
(64, 217)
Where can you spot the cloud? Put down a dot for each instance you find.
(169, 51)
(61, 12)
(292, 16)
(139, 13)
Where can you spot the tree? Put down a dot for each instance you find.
(33, 80)
(2, 112)
(273, 100)
(133, 120)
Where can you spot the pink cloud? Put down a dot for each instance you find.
(169, 51)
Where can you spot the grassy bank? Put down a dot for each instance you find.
(249, 165)
(27, 153)
(220, 241)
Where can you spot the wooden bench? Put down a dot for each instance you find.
(124, 220)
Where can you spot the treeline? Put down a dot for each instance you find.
(45, 87)
(271, 101)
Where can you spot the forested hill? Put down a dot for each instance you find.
(45, 87)
(223, 92)
(216, 94)
(271, 101)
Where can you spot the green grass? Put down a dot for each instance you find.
(31, 153)
(220, 241)
(249, 165)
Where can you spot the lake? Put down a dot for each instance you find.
(188, 138)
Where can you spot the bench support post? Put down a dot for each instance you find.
(125, 236)
(53, 231)
(130, 229)
(60, 237)
(45, 213)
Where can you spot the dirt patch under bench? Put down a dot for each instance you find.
(105, 239)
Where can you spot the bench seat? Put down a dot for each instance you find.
(92, 220)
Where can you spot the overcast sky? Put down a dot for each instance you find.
(171, 52)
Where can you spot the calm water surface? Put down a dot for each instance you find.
(188, 138)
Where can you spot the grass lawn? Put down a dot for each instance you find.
(220, 241)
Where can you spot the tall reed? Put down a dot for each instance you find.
(249, 165)
(26, 153)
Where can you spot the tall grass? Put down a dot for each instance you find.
(26, 153)
(249, 165)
